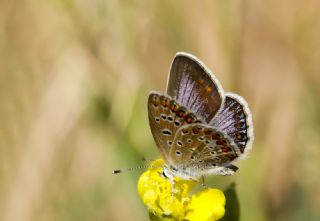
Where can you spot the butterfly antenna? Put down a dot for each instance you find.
(147, 160)
(130, 169)
(139, 167)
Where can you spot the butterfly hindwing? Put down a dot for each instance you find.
(200, 149)
(194, 86)
(234, 119)
(166, 116)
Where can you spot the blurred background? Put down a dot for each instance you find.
(74, 82)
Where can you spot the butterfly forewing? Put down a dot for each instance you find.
(199, 148)
(234, 119)
(191, 84)
(166, 116)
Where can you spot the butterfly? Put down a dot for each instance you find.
(198, 128)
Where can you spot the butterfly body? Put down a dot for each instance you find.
(199, 129)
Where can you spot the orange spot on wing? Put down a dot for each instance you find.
(208, 88)
(226, 149)
(216, 136)
(195, 130)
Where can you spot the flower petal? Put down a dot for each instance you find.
(207, 205)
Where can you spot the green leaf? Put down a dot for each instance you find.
(164, 217)
(232, 204)
(153, 217)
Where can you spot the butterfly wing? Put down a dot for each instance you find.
(199, 149)
(194, 86)
(166, 116)
(235, 120)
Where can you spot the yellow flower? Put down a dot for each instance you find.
(207, 205)
(156, 193)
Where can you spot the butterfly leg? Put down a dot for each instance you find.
(172, 187)
(168, 175)
(203, 184)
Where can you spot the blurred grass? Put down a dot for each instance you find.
(74, 81)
